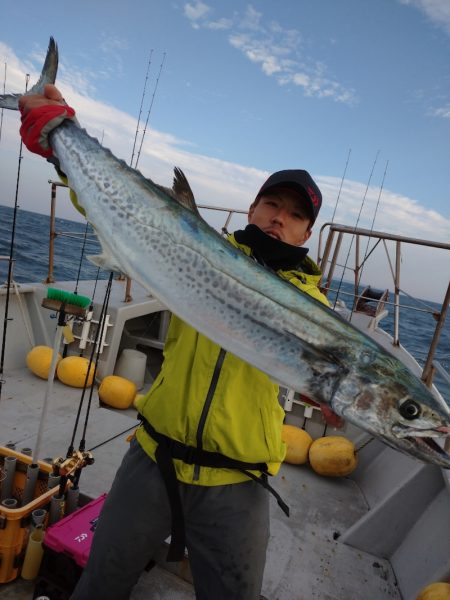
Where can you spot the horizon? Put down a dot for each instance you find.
(346, 280)
(358, 94)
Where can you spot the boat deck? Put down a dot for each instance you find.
(306, 560)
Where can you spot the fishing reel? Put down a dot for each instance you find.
(65, 467)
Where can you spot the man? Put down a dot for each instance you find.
(211, 434)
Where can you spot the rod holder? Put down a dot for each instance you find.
(72, 497)
(9, 469)
(30, 484)
(56, 509)
(33, 555)
(38, 517)
(53, 480)
(9, 503)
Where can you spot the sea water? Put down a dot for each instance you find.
(31, 254)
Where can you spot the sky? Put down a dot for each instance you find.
(357, 92)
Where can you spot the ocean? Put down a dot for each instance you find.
(31, 265)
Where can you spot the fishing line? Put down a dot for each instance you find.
(150, 110)
(354, 229)
(81, 257)
(112, 438)
(140, 108)
(366, 253)
(11, 257)
(342, 183)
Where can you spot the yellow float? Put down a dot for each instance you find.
(297, 443)
(117, 392)
(39, 360)
(333, 456)
(435, 591)
(72, 371)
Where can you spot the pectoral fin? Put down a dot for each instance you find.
(104, 261)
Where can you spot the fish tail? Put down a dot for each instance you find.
(48, 75)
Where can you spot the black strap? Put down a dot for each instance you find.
(166, 451)
(167, 470)
(196, 456)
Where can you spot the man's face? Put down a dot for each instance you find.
(282, 214)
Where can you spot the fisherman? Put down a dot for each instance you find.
(199, 465)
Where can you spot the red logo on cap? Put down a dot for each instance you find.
(313, 196)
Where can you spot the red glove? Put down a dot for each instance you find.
(39, 122)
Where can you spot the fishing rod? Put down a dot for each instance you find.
(150, 109)
(342, 183)
(140, 108)
(11, 257)
(1, 113)
(355, 228)
(71, 466)
(366, 253)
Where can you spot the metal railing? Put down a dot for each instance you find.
(329, 261)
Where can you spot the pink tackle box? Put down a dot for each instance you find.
(73, 535)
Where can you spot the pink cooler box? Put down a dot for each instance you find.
(73, 535)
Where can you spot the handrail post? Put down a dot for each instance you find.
(428, 370)
(397, 293)
(51, 247)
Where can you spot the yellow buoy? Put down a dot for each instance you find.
(39, 360)
(435, 591)
(117, 392)
(137, 401)
(297, 443)
(333, 456)
(72, 371)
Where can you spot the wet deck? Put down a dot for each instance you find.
(305, 559)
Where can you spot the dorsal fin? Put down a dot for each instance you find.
(183, 192)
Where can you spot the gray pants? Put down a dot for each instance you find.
(227, 530)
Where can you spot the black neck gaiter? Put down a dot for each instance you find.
(269, 251)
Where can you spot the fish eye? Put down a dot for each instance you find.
(410, 410)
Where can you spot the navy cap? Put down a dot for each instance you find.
(300, 181)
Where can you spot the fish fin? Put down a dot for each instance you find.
(48, 75)
(104, 261)
(49, 70)
(183, 191)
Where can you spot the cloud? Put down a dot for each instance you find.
(277, 50)
(196, 12)
(438, 11)
(443, 112)
(216, 182)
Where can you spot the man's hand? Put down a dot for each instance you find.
(40, 115)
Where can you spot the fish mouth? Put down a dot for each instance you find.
(424, 439)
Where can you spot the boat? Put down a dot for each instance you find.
(380, 533)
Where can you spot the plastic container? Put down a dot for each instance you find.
(66, 550)
(73, 535)
(131, 365)
(15, 522)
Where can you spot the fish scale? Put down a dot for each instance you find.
(245, 308)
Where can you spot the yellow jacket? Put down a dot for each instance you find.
(209, 398)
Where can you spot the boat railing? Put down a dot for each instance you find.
(223, 229)
(328, 258)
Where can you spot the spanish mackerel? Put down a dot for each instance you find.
(148, 235)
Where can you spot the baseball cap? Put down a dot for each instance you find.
(300, 181)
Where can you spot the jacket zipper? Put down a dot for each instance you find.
(207, 405)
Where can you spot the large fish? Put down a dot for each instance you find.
(171, 251)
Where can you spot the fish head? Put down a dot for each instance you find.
(387, 400)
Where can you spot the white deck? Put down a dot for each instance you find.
(304, 560)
